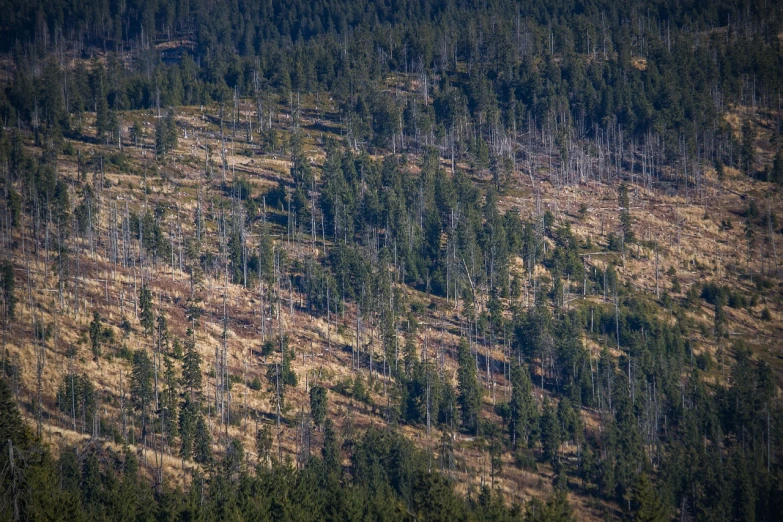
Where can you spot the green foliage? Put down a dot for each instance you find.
(551, 432)
(648, 505)
(7, 286)
(202, 443)
(191, 369)
(318, 401)
(165, 134)
(96, 332)
(523, 410)
(141, 387)
(554, 509)
(624, 202)
(76, 397)
(146, 315)
(469, 390)
(263, 443)
(748, 152)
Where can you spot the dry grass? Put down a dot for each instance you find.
(687, 231)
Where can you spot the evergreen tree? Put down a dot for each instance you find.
(188, 414)
(76, 398)
(469, 398)
(160, 139)
(96, 332)
(748, 149)
(330, 453)
(202, 443)
(522, 405)
(169, 399)
(7, 285)
(263, 444)
(626, 223)
(318, 399)
(141, 387)
(103, 127)
(550, 432)
(147, 316)
(648, 506)
(171, 131)
(191, 369)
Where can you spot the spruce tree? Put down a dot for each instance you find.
(624, 202)
(7, 286)
(95, 335)
(648, 506)
(330, 453)
(469, 390)
(191, 369)
(147, 316)
(550, 432)
(522, 406)
(318, 400)
(202, 443)
(141, 386)
(263, 444)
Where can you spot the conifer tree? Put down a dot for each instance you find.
(550, 432)
(147, 316)
(141, 387)
(522, 406)
(202, 442)
(318, 399)
(624, 202)
(7, 286)
(469, 390)
(263, 444)
(330, 453)
(187, 429)
(191, 369)
(648, 506)
(95, 335)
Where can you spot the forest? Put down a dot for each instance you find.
(391, 260)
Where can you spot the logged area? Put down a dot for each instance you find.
(403, 260)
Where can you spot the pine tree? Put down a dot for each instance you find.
(648, 506)
(555, 509)
(469, 390)
(748, 150)
(330, 453)
(12, 426)
(569, 420)
(76, 398)
(191, 369)
(95, 335)
(91, 481)
(550, 432)
(263, 444)
(169, 399)
(141, 386)
(7, 285)
(160, 139)
(171, 131)
(102, 120)
(202, 443)
(522, 406)
(187, 429)
(318, 400)
(626, 222)
(147, 316)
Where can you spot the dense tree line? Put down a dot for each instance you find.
(634, 88)
(387, 479)
(648, 77)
